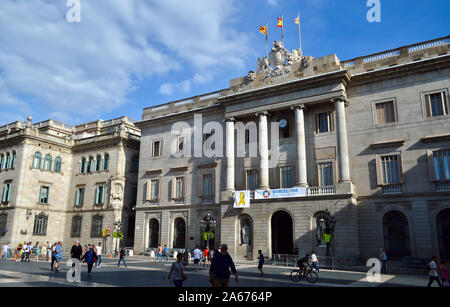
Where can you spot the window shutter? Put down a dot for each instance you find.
(200, 185)
(335, 174)
(147, 189)
(428, 105)
(96, 194)
(159, 189)
(102, 195)
(4, 194)
(213, 182)
(431, 169)
(400, 169)
(173, 185)
(77, 198)
(379, 170)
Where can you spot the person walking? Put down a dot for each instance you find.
(18, 252)
(49, 251)
(159, 255)
(5, 248)
(197, 257)
(52, 251)
(443, 272)
(25, 253)
(90, 257)
(383, 259)
(58, 256)
(98, 248)
(176, 272)
(38, 249)
(75, 253)
(315, 261)
(122, 257)
(166, 253)
(434, 273)
(260, 263)
(219, 271)
(186, 258)
(206, 254)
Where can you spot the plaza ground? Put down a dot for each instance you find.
(144, 272)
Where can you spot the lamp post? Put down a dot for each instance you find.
(117, 226)
(208, 221)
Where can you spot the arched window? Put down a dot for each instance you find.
(82, 165)
(48, 163)
(154, 233)
(8, 160)
(90, 165)
(37, 159)
(106, 162)
(180, 233)
(98, 163)
(13, 159)
(40, 225)
(2, 161)
(76, 226)
(97, 224)
(58, 164)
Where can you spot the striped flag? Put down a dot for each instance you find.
(297, 20)
(263, 30)
(280, 23)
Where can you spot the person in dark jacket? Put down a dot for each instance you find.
(219, 270)
(122, 257)
(90, 257)
(75, 253)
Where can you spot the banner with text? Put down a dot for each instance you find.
(280, 193)
(242, 199)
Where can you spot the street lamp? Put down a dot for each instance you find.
(117, 226)
(208, 221)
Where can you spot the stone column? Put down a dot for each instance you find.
(230, 154)
(342, 142)
(302, 179)
(263, 144)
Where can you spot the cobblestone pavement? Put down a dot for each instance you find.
(144, 272)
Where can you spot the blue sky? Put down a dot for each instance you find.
(127, 55)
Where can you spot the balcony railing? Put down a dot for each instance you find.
(443, 186)
(391, 190)
(324, 190)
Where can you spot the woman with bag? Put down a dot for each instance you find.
(176, 272)
(90, 257)
(444, 273)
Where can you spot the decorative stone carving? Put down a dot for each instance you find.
(117, 193)
(280, 61)
(251, 76)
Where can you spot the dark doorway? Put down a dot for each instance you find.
(396, 235)
(180, 233)
(282, 234)
(443, 229)
(154, 233)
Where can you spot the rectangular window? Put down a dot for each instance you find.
(252, 179)
(154, 189)
(324, 123)
(44, 194)
(385, 112)
(6, 193)
(181, 144)
(100, 195)
(390, 169)
(76, 227)
(156, 151)
(179, 188)
(287, 177)
(326, 174)
(40, 225)
(207, 185)
(96, 228)
(441, 164)
(79, 197)
(436, 104)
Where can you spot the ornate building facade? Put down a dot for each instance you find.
(62, 183)
(362, 158)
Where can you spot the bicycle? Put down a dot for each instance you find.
(300, 273)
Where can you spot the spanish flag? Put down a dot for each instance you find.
(280, 23)
(297, 20)
(263, 30)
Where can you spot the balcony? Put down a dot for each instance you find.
(443, 186)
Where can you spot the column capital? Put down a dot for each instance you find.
(338, 99)
(301, 106)
(230, 119)
(265, 113)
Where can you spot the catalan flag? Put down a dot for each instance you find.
(263, 30)
(280, 23)
(297, 20)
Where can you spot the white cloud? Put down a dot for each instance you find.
(272, 2)
(80, 70)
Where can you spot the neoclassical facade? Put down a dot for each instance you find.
(63, 183)
(361, 146)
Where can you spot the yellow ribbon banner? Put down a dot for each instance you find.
(242, 199)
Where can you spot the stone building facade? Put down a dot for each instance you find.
(68, 182)
(366, 141)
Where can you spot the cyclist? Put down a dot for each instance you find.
(304, 263)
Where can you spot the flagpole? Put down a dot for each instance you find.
(282, 28)
(267, 39)
(299, 31)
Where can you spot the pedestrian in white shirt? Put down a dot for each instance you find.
(197, 257)
(315, 261)
(434, 274)
(5, 249)
(98, 263)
